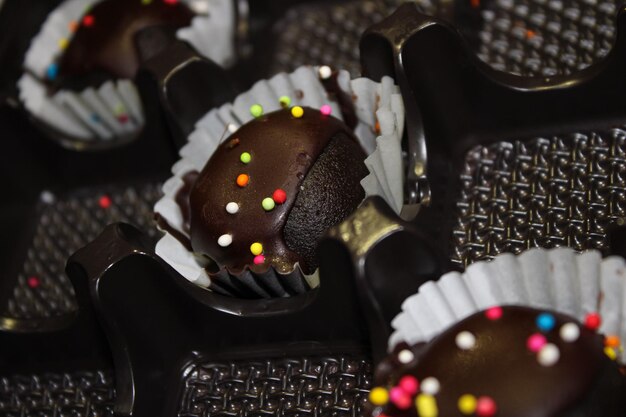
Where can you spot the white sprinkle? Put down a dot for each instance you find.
(569, 332)
(225, 240)
(465, 340)
(325, 72)
(405, 356)
(430, 386)
(47, 197)
(232, 128)
(232, 207)
(548, 355)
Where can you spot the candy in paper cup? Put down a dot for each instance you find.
(572, 283)
(112, 110)
(379, 126)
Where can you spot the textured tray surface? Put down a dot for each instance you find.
(65, 224)
(563, 191)
(60, 395)
(316, 386)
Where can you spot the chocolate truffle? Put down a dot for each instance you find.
(104, 40)
(510, 362)
(273, 188)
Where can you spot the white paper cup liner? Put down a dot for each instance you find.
(114, 109)
(372, 101)
(556, 279)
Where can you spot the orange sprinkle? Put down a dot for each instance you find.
(243, 180)
(530, 34)
(612, 341)
(475, 3)
(377, 127)
(73, 26)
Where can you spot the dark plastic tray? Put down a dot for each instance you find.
(186, 360)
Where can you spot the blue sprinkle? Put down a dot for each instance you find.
(95, 118)
(52, 71)
(546, 322)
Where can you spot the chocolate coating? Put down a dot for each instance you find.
(584, 381)
(315, 159)
(108, 44)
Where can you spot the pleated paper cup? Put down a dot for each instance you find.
(560, 279)
(112, 110)
(380, 113)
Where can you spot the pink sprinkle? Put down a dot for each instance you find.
(409, 384)
(400, 398)
(494, 313)
(259, 259)
(326, 110)
(486, 407)
(535, 342)
(33, 282)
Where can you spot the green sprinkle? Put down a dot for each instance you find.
(284, 101)
(256, 110)
(245, 157)
(268, 204)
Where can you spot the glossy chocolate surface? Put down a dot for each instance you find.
(502, 367)
(315, 159)
(107, 44)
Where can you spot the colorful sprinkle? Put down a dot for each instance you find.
(279, 196)
(405, 356)
(122, 118)
(172, 2)
(243, 180)
(426, 406)
(73, 26)
(63, 43)
(88, 20)
(119, 108)
(486, 407)
(399, 398)
(494, 313)
(268, 204)
(284, 101)
(245, 158)
(570, 332)
(465, 340)
(593, 321)
(610, 352)
(104, 201)
(256, 248)
(232, 128)
(52, 71)
(430, 386)
(326, 110)
(225, 240)
(259, 260)
(612, 341)
(146, 2)
(232, 207)
(379, 396)
(536, 342)
(548, 355)
(233, 143)
(325, 72)
(545, 322)
(409, 384)
(467, 404)
(256, 110)
(95, 117)
(297, 112)
(33, 282)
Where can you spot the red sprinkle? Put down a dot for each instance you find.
(170, 1)
(88, 20)
(122, 118)
(279, 196)
(494, 313)
(475, 3)
(399, 398)
(259, 259)
(33, 282)
(409, 384)
(593, 321)
(105, 201)
(486, 407)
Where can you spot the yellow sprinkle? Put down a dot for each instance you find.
(146, 1)
(426, 406)
(256, 248)
(63, 43)
(467, 404)
(297, 112)
(610, 352)
(379, 396)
